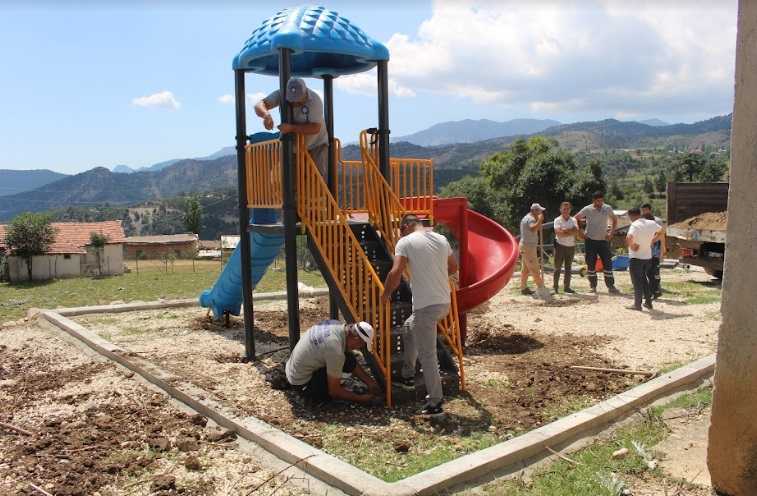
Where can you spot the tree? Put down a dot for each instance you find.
(712, 171)
(193, 214)
(689, 166)
(98, 241)
(481, 197)
(30, 234)
(661, 182)
(538, 170)
(647, 187)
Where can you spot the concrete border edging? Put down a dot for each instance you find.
(501, 459)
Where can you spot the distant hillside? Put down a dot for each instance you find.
(15, 181)
(654, 122)
(468, 131)
(101, 186)
(223, 152)
(611, 133)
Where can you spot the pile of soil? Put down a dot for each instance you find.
(712, 221)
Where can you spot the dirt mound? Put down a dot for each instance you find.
(713, 221)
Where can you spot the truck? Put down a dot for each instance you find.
(697, 216)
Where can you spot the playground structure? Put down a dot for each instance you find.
(354, 256)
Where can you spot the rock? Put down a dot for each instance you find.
(163, 483)
(192, 463)
(187, 444)
(159, 444)
(620, 454)
(198, 419)
(215, 437)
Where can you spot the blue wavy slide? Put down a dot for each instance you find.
(226, 294)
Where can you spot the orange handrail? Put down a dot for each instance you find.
(386, 213)
(347, 263)
(360, 188)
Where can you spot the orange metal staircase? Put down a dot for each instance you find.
(355, 256)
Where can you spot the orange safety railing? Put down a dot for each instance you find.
(264, 181)
(386, 212)
(413, 181)
(347, 263)
(350, 184)
(360, 188)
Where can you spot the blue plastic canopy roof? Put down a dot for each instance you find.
(322, 42)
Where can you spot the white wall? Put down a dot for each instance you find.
(46, 267)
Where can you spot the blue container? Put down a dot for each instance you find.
(620, 262)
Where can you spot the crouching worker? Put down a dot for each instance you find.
(322, 355)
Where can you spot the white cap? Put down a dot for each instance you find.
(365, 331)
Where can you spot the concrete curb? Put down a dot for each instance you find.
(190, 302)
(505, 458)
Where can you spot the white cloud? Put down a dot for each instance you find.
(226, 99)
(617, 57)
(162, 100)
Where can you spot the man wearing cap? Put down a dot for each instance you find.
(597, 240)
(308, 120)
(530, 226)
(320, 358)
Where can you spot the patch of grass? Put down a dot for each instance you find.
(134, 331)
(107, 336)
(566, 407)
(703, 299)
(185, 279)
(696, 401)
(692, 292)
(716, 316)
(392, 459)
(595, 472)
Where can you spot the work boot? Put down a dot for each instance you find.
(526, 291)
(613, 290)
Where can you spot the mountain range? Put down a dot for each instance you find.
(219, 170)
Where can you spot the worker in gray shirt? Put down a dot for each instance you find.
(597, 241)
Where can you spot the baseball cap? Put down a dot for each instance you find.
(365, 331)
(295, 89)
(536, 206)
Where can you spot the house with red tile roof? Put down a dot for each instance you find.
(71, 255)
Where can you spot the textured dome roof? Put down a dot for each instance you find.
(322, 43)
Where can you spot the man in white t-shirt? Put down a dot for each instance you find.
(566, 230)
(429, 258)
(642, 234)
(658, 253)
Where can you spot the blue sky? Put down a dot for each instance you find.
(90, 83)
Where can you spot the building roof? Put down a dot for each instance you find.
(167, 239)
(209, 244)
(73, 237)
